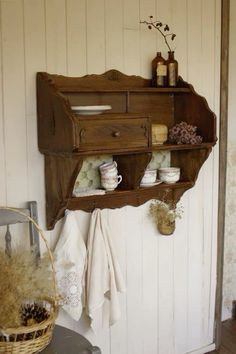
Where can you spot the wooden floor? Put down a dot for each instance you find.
(228, 345)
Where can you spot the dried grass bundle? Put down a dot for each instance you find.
(164, 216)
(22, 280)
(165, 212)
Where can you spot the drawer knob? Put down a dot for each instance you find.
(82, 133)
(116, 134)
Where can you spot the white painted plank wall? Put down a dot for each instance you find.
(76, 23)
(3, 190)
(13, 86)
(169, 304)
(35, 58)
(229, 285)
(196, 241)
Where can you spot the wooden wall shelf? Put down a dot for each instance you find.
(66, 139)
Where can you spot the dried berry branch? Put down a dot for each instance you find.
(159, 25)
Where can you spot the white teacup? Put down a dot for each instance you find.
(108, 166)
(150, 176)
(110, 183)
(169, 174)
(109, 174)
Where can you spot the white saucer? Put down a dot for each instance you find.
(90, 110)
(158, 181)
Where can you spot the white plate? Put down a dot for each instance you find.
(158, 181)
(90, 110)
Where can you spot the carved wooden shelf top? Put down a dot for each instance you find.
(68, 89)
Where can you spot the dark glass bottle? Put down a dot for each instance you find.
(159, 71)
(172, 70)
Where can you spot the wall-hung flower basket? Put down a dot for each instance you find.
(165, 215)
(166, 227)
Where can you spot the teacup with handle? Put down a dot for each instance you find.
(110, 183)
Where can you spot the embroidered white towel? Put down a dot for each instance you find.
(104, 276)
(70, 263)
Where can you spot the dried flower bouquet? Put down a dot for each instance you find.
(164, 215)
(28, 297)
(184, 133)
(22, 281)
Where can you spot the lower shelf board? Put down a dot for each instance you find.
(135, 197)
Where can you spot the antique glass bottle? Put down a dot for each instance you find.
(159, 71)
(172, 70)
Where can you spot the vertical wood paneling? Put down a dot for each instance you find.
(164, 14)
(96, 59)
(169, 304)
(147, 38)
(35, 60)
(208, 52)
(208, 49)
(117, 223)
(179, 27)
(114, 34)
(103, 333)
(35, 49)
(196, 234)
(134, 281)
(208, 257)
(147, 52)
(180, 270)
(147, 8)
(166, 300)
(131, 37)
(217, 66)
(56, 46)
(131, 52)
(14, 101)
(194, 43)
(214, 311)
(180, 278)
(131, 14)
(195, 266)
(150, 277)
(76, 37)
(2, 137)
(165, 244)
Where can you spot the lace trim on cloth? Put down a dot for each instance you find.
(70, 286)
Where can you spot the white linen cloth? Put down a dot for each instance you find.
(104, 278)
(70, 264)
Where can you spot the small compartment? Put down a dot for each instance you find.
(89, 179)
(159, 106)
(160, 159)
(117, 100)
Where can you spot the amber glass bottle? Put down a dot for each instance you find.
(159, 71)
(172, 70)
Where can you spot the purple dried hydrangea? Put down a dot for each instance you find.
(183, 133)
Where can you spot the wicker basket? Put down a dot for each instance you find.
(33, 338)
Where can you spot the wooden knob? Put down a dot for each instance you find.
(116, 134)
(82, 133)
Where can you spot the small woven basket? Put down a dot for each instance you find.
(33, 338)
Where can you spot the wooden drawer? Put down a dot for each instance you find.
(117, 133)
